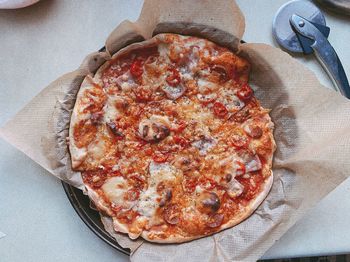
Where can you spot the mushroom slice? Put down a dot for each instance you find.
(254, 164)
(153, 129)
(174, 92)
(234, 188)
(208, 202)
(166, 197)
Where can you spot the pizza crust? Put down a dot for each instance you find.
(77, 154)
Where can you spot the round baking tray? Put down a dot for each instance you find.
(81, 204)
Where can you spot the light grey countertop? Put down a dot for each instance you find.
(42, 42)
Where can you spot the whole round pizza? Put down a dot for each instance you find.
(170, 140)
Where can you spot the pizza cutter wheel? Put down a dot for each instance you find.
(299, 26)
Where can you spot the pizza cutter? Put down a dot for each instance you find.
(300, 27)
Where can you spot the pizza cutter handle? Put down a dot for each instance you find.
(331, 63)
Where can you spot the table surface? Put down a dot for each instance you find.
(42, 42)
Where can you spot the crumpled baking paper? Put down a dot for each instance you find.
(311, 129)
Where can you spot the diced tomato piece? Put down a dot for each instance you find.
(220, 110)
(136, 69)
(238, 141)
(160, 157)
(245, 93)
(173, 78)
(180, 141)
(148, 151)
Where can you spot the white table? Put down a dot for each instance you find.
(40, 43)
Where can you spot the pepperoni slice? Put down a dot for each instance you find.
(221, 71)
(255, 132)
(215, 220)
(245, 93)
(241, 115)
(220, 110)
(94, 178)
(171, 215)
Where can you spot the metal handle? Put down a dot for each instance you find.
(331, 63)
(314, 36)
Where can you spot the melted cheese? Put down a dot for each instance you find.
(163, 51)
(110, 111)
(162, 172)
(97, 149)
(115, 188)
(79, 155)
(205, 86)
(148, 201)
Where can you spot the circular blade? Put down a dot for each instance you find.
(282, 29)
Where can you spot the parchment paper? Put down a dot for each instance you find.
(312, 127)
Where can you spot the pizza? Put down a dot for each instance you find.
(170, 140)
